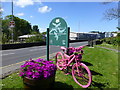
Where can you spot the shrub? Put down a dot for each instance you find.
(111, 40)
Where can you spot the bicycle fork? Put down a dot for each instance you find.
(79, 68)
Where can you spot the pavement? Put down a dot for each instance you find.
(109, 48)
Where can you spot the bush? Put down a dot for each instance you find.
(111, 40)
(37, 38)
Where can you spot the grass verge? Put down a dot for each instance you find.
(103, 64)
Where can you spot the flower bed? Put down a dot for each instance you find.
(38, 69)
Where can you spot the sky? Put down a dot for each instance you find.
(79, 16)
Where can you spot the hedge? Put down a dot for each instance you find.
(111, 40)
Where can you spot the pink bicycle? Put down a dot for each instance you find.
(72, 58)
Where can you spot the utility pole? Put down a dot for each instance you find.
(78, 26)
(1, 34)
(12, 10)
(12, 27)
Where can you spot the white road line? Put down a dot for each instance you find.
(7, 54)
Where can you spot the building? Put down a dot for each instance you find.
(114, 34)
(108, 34)
(73, 35)
(24, 37)
(86, 36)
(101, 35)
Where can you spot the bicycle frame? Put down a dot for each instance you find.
(70, 59)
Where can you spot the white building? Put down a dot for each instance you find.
(108, 34)
(22, 38)
(73, 35)
(114, 34)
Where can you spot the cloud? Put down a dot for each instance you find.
(20, 14)
(1, 9)
(23, 3)
(44, 9)
(39, 1)
(31, 16)
(42, 29)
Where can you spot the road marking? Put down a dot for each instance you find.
(7, 54)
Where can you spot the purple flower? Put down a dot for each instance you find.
(29, 73)
(21, 74)
(38, 69)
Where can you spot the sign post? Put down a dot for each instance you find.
(12, 25)
(47, 42)
(57, 34)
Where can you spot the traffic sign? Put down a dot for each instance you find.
(12, 24)
(58, 32)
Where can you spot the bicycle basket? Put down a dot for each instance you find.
(78, 56)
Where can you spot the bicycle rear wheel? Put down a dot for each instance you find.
(60, 60)
(81, 75)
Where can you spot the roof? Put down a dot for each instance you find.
(26, 36)
(86, 33)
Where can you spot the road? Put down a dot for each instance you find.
(18, 55)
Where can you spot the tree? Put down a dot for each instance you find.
(4, 38)
(118, 28)
(37, 38)
(44, 33)
(112, 13)
(6, 31)
(35, 28)
(94, 31)
(22, 27)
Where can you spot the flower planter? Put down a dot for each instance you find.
(31, 84)
(38, 74)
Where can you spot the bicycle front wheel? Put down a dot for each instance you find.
(60, 60)
(81, 75)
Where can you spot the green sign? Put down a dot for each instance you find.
(58, 32)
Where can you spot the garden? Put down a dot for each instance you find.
(103, 64)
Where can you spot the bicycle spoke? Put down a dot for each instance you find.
(81, 75)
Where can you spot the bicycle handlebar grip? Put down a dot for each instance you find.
(63, 48)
